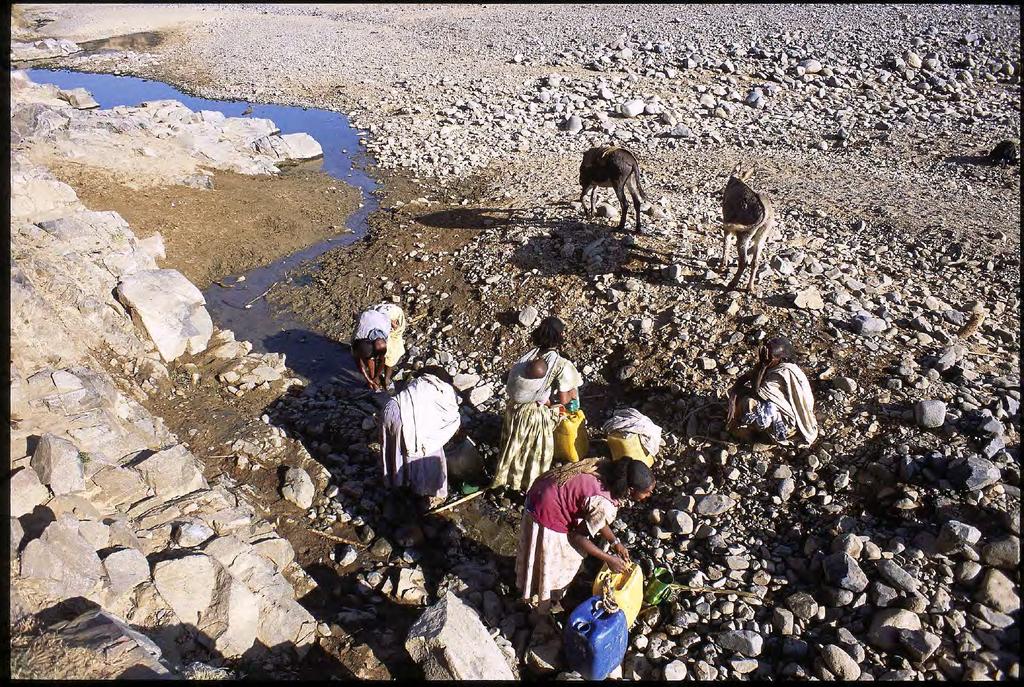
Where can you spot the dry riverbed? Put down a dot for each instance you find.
(869, 143)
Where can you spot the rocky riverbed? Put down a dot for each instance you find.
(888, 550)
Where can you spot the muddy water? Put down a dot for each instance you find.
(141, 41)
(240, 305)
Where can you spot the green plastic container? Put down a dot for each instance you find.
(658, 587)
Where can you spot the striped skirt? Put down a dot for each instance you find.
(527, 445)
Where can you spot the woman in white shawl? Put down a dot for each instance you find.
(415, 426)
(527, 433)
(774, 399)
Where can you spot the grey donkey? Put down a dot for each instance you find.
(750, 217)
(614, 167)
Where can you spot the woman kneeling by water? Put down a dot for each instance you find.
(564, 508)
(774, 399)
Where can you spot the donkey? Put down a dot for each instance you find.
(611, 166)
(749, 216)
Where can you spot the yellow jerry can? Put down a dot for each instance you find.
(622, 445)
(627, 589)
(572, 440)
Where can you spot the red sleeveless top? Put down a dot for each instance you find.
(555, 507)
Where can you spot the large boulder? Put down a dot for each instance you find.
(126, 569)
(35, 120)
(57, 463)
(115, 643)
(169, 308)
(930, 414)
(842, 571)
(171, 472)
(27, 492)
(42, 49)
(839, 662)
(742, 642)
(79, 98)
(450, 643)
(282, 621)
(62, 561)
(187, 584)
(973, 473)
(36, 198)
(997, 591)
(886, 624)
(298, 487)
(17, 534)
(205, 595)
(285, 624)
(117, 487)
(299, 146)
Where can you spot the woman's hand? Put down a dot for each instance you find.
(617, 565)
(621, 551)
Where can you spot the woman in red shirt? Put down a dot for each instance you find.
(565, 507)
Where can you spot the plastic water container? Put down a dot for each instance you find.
(627, 589)
(623, 445)
(595, 640)
(572, 440)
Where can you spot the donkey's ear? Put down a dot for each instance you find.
(748, 171)
(736, 170)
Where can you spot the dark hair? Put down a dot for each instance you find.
(775, 350)
(550, 333)
(437, 371)
(362, 348)
(619, 476)
(779, 347)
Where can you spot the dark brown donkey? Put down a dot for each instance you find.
(614, 167)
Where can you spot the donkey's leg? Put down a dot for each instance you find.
(620, 192)
(742, 244)
(593, 197)
(588, 212)
(636, 199)
(756, 262)
(723, 266)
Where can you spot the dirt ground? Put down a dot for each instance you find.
(242, 223)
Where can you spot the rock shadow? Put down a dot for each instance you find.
(183, 644)
(314, 356)
(983, 159)
(468, 218)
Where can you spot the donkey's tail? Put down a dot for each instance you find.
(636, 174)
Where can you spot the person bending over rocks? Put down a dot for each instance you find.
(415, 425)
(378, 343)
(527, 433)
(565, 507)
(773, 400)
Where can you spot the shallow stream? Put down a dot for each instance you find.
(240, 305)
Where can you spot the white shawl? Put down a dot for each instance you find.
(430, 415)
(787, 387)
(523, 390)
(632, 421)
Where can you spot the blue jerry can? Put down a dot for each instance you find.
(595, 640)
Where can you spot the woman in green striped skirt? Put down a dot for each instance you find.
(527, 433)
